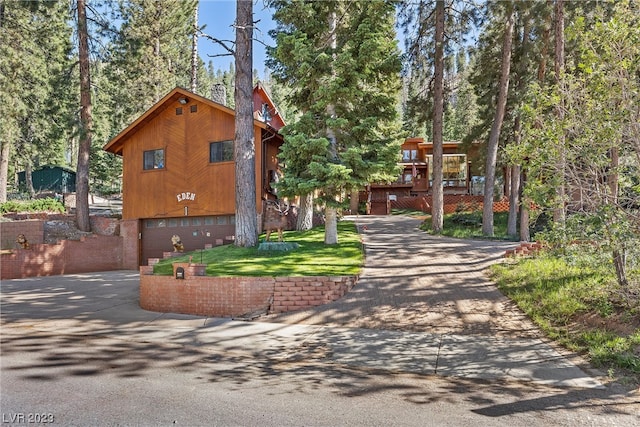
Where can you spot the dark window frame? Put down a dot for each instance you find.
(221, 151)
(152, 161)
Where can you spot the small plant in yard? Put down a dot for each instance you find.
(312, 258)
(575, 302)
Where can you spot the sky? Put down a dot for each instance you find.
(218, 17)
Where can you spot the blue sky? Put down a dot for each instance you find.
(218, 16)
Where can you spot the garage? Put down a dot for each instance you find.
(194, 232)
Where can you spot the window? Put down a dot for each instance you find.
(454, 170)
(409, 155)
(153, 159)
(221, 151)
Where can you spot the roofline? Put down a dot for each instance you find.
(115, 145)
(260, 86)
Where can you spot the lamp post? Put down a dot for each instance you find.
(204, 234)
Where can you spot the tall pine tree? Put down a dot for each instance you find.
(34, 63)
(432, 29)
(345, 82)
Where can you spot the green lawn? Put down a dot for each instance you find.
(468, 225)
(578, 306)
(312, 258)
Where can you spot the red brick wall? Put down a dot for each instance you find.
(32, 229)
(296, 293)
(237, 296)
(94, 253)
(129, 230)
(104, 225)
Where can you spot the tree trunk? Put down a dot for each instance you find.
(244, 144)
(517, 176)
(559, 212)
(331, 226)
(28, 178)
(524, 211)
(619, 261)
(86, 123)
(354, 201)
(305, 213)
(194, 52)
(542, 65)
(613, 177)
(5, 146)
(437, 198)
(512, 221)
(494, 136)
(5, 149)
(331, 213)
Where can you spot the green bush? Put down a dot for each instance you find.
(36, 205)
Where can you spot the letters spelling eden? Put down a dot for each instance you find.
(186, 196)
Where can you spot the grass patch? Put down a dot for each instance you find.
(468, 225)
(580, 308)
(413, 213)
(312, 258)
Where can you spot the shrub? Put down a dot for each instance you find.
(37, 205)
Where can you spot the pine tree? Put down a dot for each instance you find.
(494, 136)
(151, 54)
(86, 122)
(244, 141)
(431, 29)
(344, 83)
(35, 63)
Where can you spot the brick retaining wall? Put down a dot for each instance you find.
(93, 253)
(237, 296)
(32, 229)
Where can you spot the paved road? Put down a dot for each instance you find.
(78, 348)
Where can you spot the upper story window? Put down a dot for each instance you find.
(409, 155)
(454, 170)
(153, 159)
(221, 151)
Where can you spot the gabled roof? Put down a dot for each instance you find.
(260, 95)
(116, 144)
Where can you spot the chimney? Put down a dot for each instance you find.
(219, 93)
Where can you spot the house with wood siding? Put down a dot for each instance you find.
(416, 179)
(179, 171)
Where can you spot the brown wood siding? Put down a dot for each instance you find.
(185, 139)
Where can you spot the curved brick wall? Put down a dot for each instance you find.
(237, 296)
